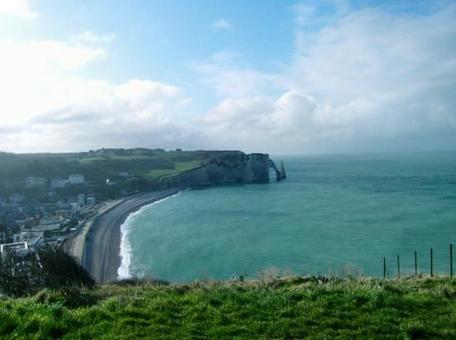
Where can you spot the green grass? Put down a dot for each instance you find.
(268, 309)
(132, 158)
(179, 167)
(89, 160)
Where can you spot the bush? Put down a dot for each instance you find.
(68, 297)
(18, 274)
(61, 270)
(48, 268)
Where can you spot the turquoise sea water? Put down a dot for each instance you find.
(332, 215)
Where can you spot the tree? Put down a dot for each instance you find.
(61, 270)
(47, 268)
(16, 271)
(3, 233)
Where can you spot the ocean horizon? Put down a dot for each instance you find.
(333, 215)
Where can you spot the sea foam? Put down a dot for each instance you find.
(123, 272)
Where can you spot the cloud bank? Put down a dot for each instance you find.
(369, 79)
(20, 8)
(47, 105)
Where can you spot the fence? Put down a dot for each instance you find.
(431, 264)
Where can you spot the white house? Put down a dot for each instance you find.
(82, 200)
(20, 248)
(34, 182)
(16, 199)
(76, 179)
(59, 183)
(76, 207)
(91, 201)
(32, 238)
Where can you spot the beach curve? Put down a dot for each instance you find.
(101, 256)
(125, 247)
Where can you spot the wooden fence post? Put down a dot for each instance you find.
(416, 265)
(432, 263)
(451, 260)
(384, 268)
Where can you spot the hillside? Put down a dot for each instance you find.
(109, 173)
(269, 308)
(127, 169)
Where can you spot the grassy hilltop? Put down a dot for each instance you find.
(269, 308)
(131, 169)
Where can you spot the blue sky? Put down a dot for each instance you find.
(271, 76)
(160, 38)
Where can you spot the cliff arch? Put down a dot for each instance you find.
(280, 173)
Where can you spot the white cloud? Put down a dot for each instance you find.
(381, 76)
(256, 123)
(370, 79)
(138, 91)
(19, 8)
(90, 37)
(38, 75)
(222, 24)
(359, 80)
(289, 113)
(229, 75)
(47, 105)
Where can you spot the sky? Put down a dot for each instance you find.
(283, 77)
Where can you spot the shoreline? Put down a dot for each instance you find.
(75, 245)
(102, 241)
(123, 273)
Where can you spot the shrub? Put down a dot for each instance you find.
(48, 268)
(60, 270)
(18, 274)
(68, 297)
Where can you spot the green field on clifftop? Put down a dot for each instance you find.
(110, 162)
(127, 170)
(270, 308)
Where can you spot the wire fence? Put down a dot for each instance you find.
(397, 266)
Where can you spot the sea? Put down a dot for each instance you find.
(334, 215)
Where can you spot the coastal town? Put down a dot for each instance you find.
(47, 199)
(28, 225)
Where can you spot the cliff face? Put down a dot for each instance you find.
(224, 167)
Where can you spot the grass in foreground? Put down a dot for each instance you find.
(281, 308)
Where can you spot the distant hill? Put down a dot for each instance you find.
(109, 173)
(130, 169)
